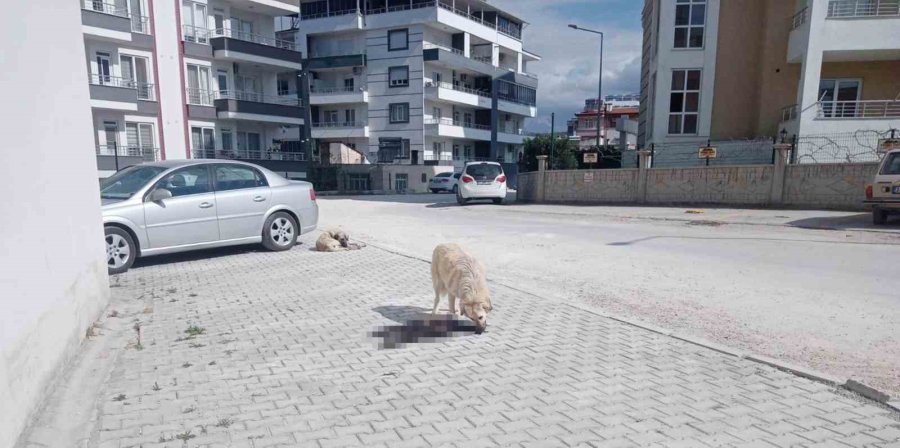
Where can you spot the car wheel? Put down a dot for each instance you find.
(435, 190)
(460, 200)
(280, 232)
(120, 250)
(498, 201)
(879, 217)
(455, 190)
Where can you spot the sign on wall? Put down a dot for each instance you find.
(588, 177)
(708, 152)
(888, 144)
(590, 157)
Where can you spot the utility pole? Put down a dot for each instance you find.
(600, 87)
(552, 137)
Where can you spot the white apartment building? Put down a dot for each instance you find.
(417, 82)
(718, 69)
(191, 79)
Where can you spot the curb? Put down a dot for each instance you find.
(848, 384)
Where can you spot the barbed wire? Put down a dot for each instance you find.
(847, 147)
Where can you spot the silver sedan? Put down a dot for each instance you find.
(175, 206)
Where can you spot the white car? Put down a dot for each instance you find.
(883, 195)
(481, 180)
(444, 182)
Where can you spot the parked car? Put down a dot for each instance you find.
(444, 182)
(175, 206)
(481, 180)
(883, 195)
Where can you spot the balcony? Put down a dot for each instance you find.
(241, 105)
(337, 95)
(446, 127)
(456, 59)
(855, 9)
(115, 157)
(511, 135)
(244, 154)
(443, 159)
(238, 46)
(336, 59)
(114, 93)
(458, 94)
(110, 22)
(850, 116)
(339, 129)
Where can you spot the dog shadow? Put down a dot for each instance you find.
(417, 326)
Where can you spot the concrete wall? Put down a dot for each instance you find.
(53, 281)
(829, 186)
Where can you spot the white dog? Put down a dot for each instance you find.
(460, 276)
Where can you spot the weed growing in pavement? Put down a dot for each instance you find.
(196, 345)
(185, 436)
(194, 330)
(172, 290)
(120, 397)
(113, 313)
(224, 423)
(189, 409)
(156, 387)
(186, 365)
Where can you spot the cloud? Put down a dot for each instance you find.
(569, 67)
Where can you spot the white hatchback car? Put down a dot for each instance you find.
(481, 180)
(883, 195)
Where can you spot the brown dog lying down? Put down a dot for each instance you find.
(336, 240)
(460, 276)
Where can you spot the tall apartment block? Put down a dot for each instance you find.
(175, 79)
(416, 82)
(734, 69)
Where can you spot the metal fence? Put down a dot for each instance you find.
(846, 147)
(731, 152)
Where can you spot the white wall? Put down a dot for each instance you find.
(53, 280)
(169, 62)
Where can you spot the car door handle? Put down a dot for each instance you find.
(258, 199)
(206, 204)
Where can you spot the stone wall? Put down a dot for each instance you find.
(739, 185)
(592, 186)
(828, 185)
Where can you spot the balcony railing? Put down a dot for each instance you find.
(444, 157)
(335, 90)
(200, 97)
(106, 8)
(858, 109)
(458, 88)
(512, 130)
(799, 19)
(145, 91)
(789, 113)
(509, 29)
(202, 35)
(246, 154)
(451, 122)
(838, 9)
(338, 125)
(148, 153)
(139, 23)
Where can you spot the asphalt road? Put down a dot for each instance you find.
(817, 289)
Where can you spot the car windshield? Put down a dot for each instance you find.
(487, 171)
(892, 164)
(127, 182)
(444, 175)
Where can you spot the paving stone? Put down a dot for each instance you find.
(296, 363)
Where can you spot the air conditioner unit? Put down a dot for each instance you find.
(357, 71)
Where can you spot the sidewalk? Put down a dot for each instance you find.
(257, 349)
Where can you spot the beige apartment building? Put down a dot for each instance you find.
(743, 69)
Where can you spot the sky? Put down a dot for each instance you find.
(570, 58)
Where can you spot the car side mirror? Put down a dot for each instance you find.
(159, 194)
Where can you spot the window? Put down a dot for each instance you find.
(135, 74)
(241, 29)
(103, 75)
(350, 116)
(892, 165)
(401, 182)
(456, 152)
(684, 102)
(358, 182)
(187, 181)
(227, 140)
(839, 97)
(468, 152)
(236, 177)
(398, 40)
(690, 19)
(203, 140)
(284, 83)
(399, 113)
(436, 77)
(467, 119)
(193, 16)
(222, 81)
(198, 85)
(248, 141)
(484, 171)
(140, 138)
(398, 76)
(331, 116)
(436, 113)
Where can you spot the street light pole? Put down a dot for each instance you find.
(600, 83)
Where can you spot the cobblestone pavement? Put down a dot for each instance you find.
(282, 355)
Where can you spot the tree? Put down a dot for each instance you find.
(563, 157)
